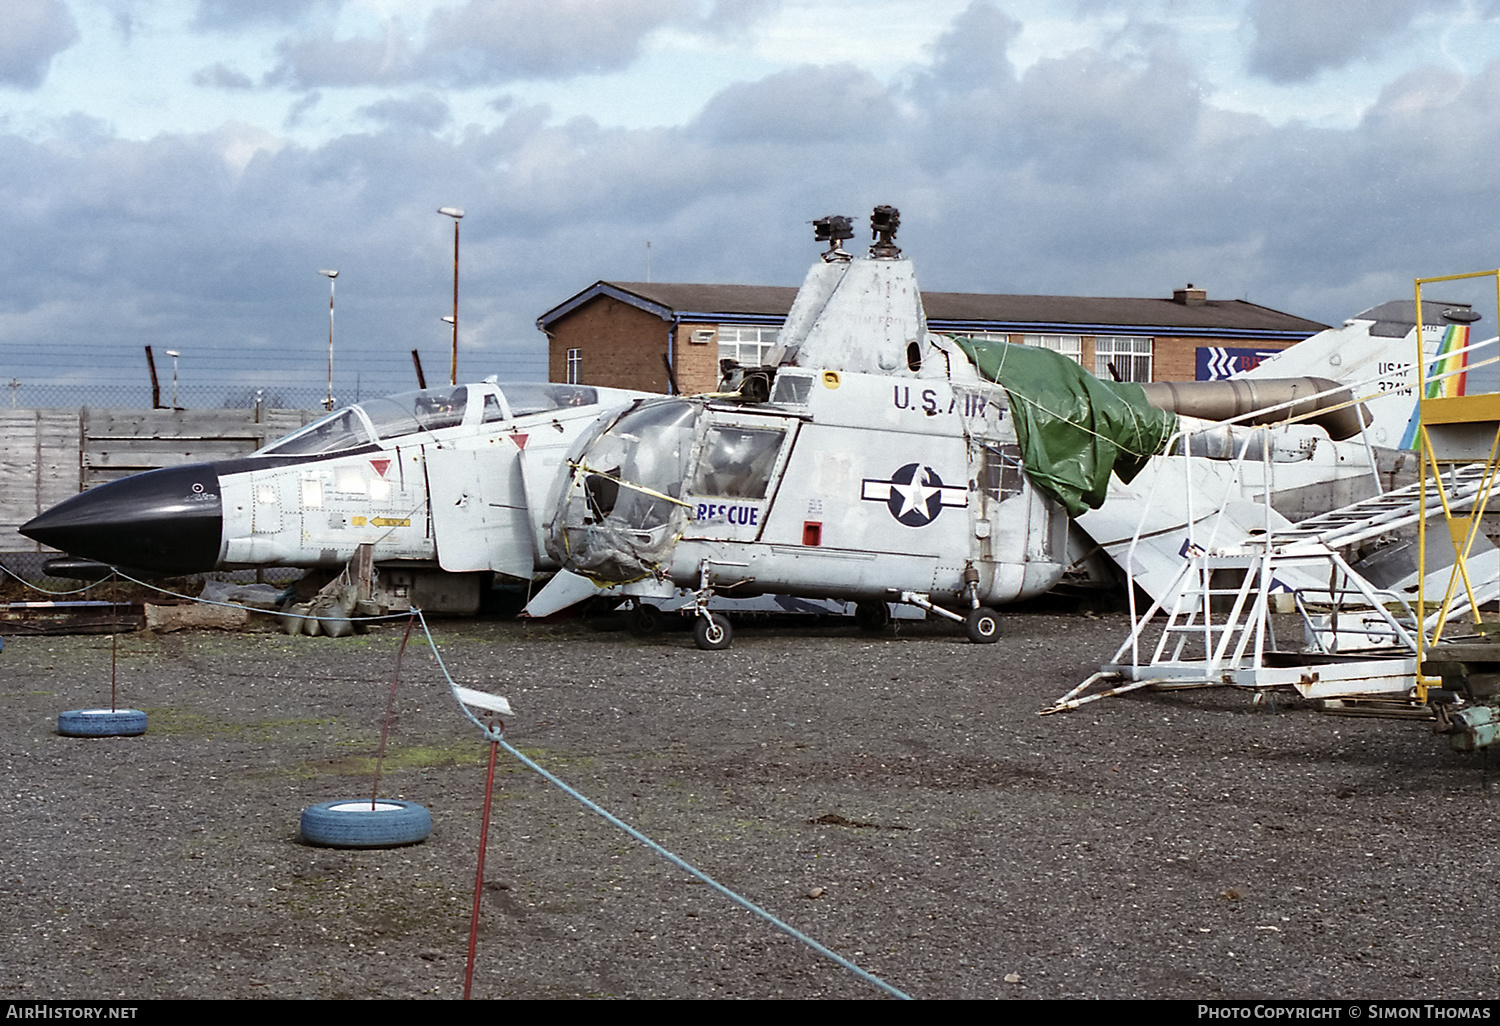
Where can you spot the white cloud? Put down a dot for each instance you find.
(34, 31)
(808, 105)
(1295, 40)
(227, 15)
(485, 42)
(424, 112)
(1113, 164)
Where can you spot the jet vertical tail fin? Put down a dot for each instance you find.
(1374, 354)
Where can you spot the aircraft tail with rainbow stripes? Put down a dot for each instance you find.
(1374, 353)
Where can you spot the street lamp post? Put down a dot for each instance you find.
(174, 354)
(330, 275)
(457, 214)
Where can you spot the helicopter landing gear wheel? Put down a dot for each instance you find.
(644, 620)
(872, 617)
(982, 626)
(713, 633)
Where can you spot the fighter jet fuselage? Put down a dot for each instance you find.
(436, 478)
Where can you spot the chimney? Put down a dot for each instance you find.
(1190, 296)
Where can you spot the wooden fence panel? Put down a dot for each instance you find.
(19, 497)
(47, 455)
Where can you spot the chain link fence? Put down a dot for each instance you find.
(18, 394)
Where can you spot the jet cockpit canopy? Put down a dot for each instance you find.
(428, 409)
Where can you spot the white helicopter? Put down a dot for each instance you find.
(441, 482)
(872, 461)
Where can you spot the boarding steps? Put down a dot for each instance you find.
(1465, 488)
(1338, 529)
(1204, 643)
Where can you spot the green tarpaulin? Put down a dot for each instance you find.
(1073, 428)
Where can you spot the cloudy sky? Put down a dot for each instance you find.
(176, 172)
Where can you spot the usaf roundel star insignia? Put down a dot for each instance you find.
(914, 494)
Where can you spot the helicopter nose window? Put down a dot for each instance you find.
(601, 492)
(736, 462)
(637, 461)
(621, 515)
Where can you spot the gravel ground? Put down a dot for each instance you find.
(898, 798)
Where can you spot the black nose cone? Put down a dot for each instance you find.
(169, 521)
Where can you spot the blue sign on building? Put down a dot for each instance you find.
(1218, 362)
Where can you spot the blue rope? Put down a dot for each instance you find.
(200, 600)
(38, 588)
(498, 736)
(268, 612)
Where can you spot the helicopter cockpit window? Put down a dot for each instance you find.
(492, 411)
(408, 412)
(736, 462)
(543, 397)
(792, 389)
(341, 429)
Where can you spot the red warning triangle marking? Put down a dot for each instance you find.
(381, 466)
(520, 440)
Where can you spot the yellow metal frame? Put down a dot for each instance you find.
(1475, 411)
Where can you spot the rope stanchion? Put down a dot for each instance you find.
(484, 844)
(496, 736)
(494, 733)
(390, 703)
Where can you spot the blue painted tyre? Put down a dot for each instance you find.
(101, 723)
(353, 823)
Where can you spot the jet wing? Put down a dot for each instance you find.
(1164, 542)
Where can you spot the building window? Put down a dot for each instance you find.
(575, 367)
(1131, 358)
(746, 345)
(1070, 346)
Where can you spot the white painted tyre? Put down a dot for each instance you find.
(354, 823)
(101, 723)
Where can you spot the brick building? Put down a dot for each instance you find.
(627, 334)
